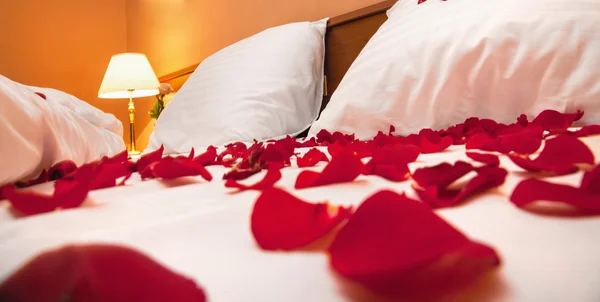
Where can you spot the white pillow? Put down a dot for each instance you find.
(83, 109)
(266, 86)
(435, 64)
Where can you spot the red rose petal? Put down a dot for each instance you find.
(392, 162)
(482, 141)
(527, 141)
(60, 169)
(432, 142)
(30, 203)
(559, 156)
(280, 221)
(360, 149)
(390, 172)
(591, 181)
(118, 158)
(107, 175)
(519, 140)
(272, 176)
(310, 143)
(43, 96)
(311, 158)
(171, 168)
(488, 159)
(397, 245)
(149, 158)
(522, 120)
(552, 120)
(70, 194)
(441, 197)
(208, 158)
(67, 194)
(441, 175)
(529, 191)
(585, 131)
(97, 273)
(344, 167)
(279, 152)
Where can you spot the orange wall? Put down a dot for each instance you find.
(63, 44)
(178, 33)
(66, 44)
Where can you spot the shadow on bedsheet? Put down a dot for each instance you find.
(490, 287)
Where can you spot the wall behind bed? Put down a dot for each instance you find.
(178, 33)
(63, 44)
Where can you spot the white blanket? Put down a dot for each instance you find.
(200, 230)
(38, 131)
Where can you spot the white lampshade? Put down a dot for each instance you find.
(125, 72)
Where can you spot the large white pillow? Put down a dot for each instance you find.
(435, 64)
(266, 86)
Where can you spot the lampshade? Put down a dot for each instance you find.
(125, 72)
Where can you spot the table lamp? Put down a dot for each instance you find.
(129, 75)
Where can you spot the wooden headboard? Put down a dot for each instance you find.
(346, 36)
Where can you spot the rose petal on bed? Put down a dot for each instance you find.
(442, 197)
(311, 158)
(441, 175)
(391, 163)
(398, 153)
(281, 221)
(560, 156)
(522, 120)
(588, 130)
(488, 159)
(107, 175)
(391, 172)
(232, 153)
(42, 178)
(324, 137)
(527, 141)
(97, 273)
(60, 169)
(70, 194)
(482, 141)
(29, 203)
(171, 168)
(67, 194)
(432, 142)
(208, 158)
(149, 158)
(271, 177)
(118, 158)
(529, 191)
(236, 174)
(396, 245)
(591, 180)
(278, 152)
(552, 120)
(343, 167)
(360, 149)
(309, 143)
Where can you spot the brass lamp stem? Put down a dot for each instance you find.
(132, 150)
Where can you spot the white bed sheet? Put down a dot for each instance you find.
(198, 229)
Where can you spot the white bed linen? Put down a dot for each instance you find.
(199, 230)
(36, 133)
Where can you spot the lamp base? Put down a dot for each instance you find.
(134, 153)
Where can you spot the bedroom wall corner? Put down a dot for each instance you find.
(64, 44)
(177, 33)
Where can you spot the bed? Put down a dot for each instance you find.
(202, 229)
